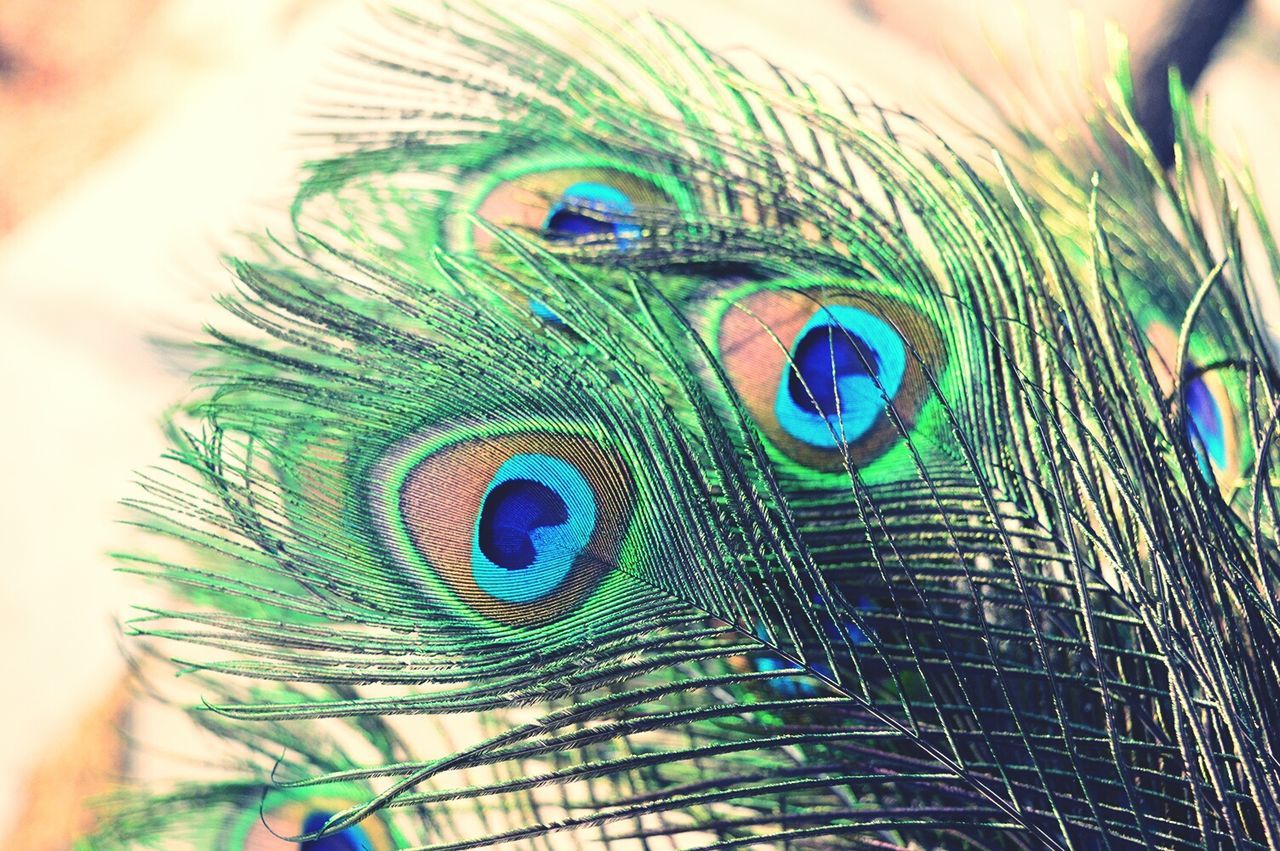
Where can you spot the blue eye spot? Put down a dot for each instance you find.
(591, 209)
(844, 363)
(351, 839)
(513, 511)
(823, 354)
(1205, 427)
(536, 517)
(801, 685)
(788, 686)
(545, 313)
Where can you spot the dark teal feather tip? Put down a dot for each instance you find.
(625, 449)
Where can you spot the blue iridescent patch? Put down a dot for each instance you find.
(546, 314)
(845, 362)
(537, 515)
(351, 839)
(1205, 426)
(592, 209)
(803, 685)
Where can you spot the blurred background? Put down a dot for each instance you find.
(135, 135)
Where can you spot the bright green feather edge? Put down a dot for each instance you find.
(253, 588)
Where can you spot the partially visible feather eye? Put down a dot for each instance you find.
(591, 203)
(273, 828)
(518, 528)
(820, 369)
(1211, 428)
(842, 631)
(1206, 424)
(588, 209)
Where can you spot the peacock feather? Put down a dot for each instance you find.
(623, 447)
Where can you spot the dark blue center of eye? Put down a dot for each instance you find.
(570, 224)
(823, 356)
(351, 839)
(846, 366)
(512, 511)
(1204, 420)
(589, 209)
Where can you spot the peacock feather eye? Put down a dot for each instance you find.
(517, 528)
(590, 202)
(273, 828)
(536, 518)
(352, 838)
(836, 631)
(844, 364)
(1206, 425)
(827, 373)
(588, 209)
(1210, 424)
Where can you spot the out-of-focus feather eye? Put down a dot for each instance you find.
(270, 829)
(517, 528)
(352, 839)
(1210, 422)
(837, 632)
(592, 209)
(1206, 425)
(824, 372)
(580, 204)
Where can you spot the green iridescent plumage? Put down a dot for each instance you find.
(625, 449)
